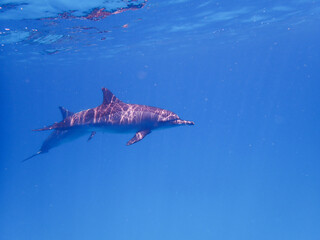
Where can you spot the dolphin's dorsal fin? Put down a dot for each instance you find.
(108, 97)
(65, 113)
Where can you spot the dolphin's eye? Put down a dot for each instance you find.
(172, 117)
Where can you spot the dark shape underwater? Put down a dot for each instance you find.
(112, 115)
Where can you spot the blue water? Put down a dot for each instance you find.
(246, 72)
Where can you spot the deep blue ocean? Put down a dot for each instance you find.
(246, 72)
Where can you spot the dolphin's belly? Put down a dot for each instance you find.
(116, 128)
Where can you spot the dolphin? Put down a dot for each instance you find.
(112, 115)
(58, 137)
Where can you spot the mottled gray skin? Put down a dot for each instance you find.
(116, 115)
(112, 115)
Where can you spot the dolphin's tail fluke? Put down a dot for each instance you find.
(36, 154)
(53, 126)
(43, 129)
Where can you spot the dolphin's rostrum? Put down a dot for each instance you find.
(112, 115)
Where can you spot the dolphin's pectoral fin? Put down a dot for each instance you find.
(139, 136)
(91, 135)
